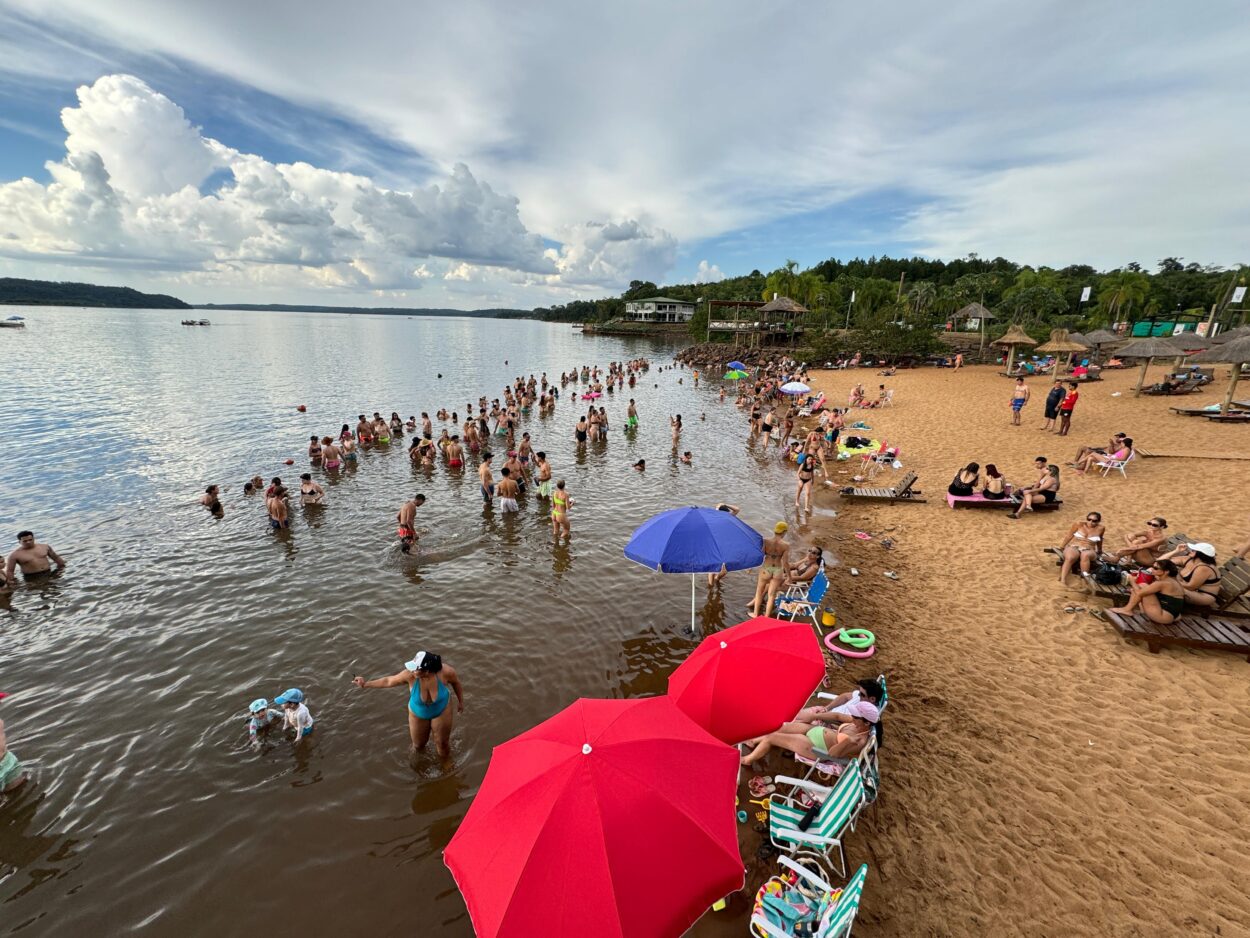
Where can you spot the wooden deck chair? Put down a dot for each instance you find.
(901, 492)
(1212, 634)
(834, 909)
(838, 810)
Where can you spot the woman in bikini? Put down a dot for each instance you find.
(1045, 490)
(995, 487)
(430, 685)
(397, 425)
(772, 576)
(807, 472)
(1082, 546)
(310, 493)
(560, 504)
(1198, 576)
(314, 449)
(1161, 601)
(330, 453)
(840, 737)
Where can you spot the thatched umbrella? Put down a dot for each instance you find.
(1101, 337)
(1147, 350)
(1080, 339)
(1236, 352)
(1058, 345)
(976, 311)
(783, 304)
(1231, 334)
(1010, 339)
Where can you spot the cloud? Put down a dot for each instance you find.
(708, 273)
(602, 254)
(130, 192)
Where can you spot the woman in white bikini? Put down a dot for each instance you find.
(1082, 546)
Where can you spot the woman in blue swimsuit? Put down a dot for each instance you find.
(430, 685)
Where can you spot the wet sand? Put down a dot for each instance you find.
(1041, 775)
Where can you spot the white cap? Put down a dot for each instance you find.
(415, 663)
(1202, 549)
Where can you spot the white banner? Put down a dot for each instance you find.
(852, 296)
(1239, 294)
(1085, 295)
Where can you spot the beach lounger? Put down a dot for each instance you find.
(833, 913)
(806, 606)
(1208, 410)
(902, 492)
(839, 809)
(1213, 634)
(1233, 416)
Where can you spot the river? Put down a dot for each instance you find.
(129, 674)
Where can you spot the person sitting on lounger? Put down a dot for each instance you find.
(1045, 489)
(1082, 546)
(1161, 601)
(1114, 362)
(839, 741)
(840, 708)
(1198, 576)
(1112, 445)
(995, 487)
(1144, 546)
(806, 569)
(1102, 460)
(966, 480)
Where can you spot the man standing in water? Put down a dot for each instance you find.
(486, 479)
(508, 491)
(33, 559)
(276, 504)
(542, 470)
(407, 522)
(631, 415)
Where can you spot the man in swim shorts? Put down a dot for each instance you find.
(508, 491)
(32, 558)
(455, 453)
(406, 518)
(276, 505)
(1019, 397)
(485, 478)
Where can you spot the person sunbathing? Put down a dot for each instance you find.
(1114, 363)
(1146, 546)
(1103, 460)
(867, 691)
(806, 569)
(837, 742)
(1082, 546)
(1113, 444)
(1161, 601)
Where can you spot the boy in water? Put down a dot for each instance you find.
(262, 719)
(508, 491)
(295, 712)
(11, 775)
(406, 518)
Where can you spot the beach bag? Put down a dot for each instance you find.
(1108, 574)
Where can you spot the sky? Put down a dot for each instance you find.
(484, 154)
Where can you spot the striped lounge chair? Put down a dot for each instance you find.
(839, 807)
(829, 916)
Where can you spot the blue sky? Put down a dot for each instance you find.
(483, 154)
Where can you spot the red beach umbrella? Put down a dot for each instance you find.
(612, 819)
(747, 680)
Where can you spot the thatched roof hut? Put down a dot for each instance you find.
(1060, 344)
(1236, 351)
(1014, 335)
(782, 306)
(1079, 340)
(1147, 350)
(1102, 337)
(974, 311)
(1231, 334)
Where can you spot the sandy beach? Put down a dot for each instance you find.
(1041, 775)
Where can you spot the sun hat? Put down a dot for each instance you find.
(1202, 549)
(294, 695)
(257, 705)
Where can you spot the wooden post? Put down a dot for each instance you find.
(1232, 389)
(1141, 378)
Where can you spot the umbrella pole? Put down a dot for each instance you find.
(1141, 378)
(692, 628)
(1232, 389)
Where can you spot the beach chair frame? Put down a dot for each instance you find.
(837, 918)
(840, 806)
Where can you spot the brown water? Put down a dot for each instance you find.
(148, 811)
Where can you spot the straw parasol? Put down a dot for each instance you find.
(1102, 337)
(1147, 350)
(1236, 352)
(1059, 344)
(1079, 339)
(1231, 334)
(1010, 339)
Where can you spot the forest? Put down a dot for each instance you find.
(18, 292)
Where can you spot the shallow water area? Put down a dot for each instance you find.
(130, 673)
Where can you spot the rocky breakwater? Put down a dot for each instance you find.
(707, 354)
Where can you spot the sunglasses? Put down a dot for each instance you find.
(1153, 524)
(1093, 520)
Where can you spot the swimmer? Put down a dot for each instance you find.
(686, 458)
(11, 775)
(249, 488)
(508, 491)
(561, 502)
(412, 422)
(314, 448)
(515, 470)
(212, 502)
(257, 483)
(542, 474)
(427, 426)
(274, 484)
(310, 493)
(641, 465)
(276, 505)
(33, 559)
(331, 453)
(454, 453)
(295, 713)
(430, 686)
(486, 480)
(406, 518)
(261, 719)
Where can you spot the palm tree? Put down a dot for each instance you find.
(921, 296)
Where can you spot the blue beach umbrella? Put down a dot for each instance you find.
(695, 540)
(738, 366)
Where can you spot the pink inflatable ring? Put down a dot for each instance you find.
(856, 634)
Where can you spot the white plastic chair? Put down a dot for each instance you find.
(1111, 465)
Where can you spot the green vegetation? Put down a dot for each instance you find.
(15, 292)
(898, 317)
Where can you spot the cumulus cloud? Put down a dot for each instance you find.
(129, 191)
(708, 273)
(597, 253)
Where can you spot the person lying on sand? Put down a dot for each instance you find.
(1161, 601)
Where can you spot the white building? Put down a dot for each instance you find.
(659, 309)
